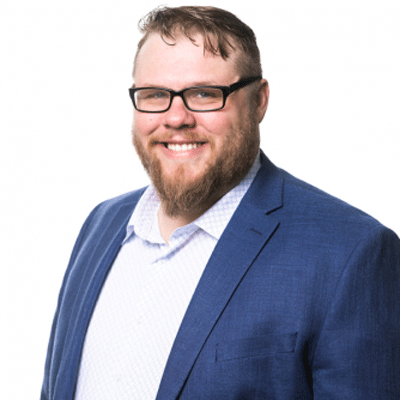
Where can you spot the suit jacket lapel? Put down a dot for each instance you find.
(246, 234)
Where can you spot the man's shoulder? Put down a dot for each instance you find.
(298, 203)
(116, 208)
(128, 200)
(302, 207)
(311, 220)
(305, 203)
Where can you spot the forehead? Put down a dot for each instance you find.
(181, 62)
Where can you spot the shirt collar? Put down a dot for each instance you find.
(144, 221)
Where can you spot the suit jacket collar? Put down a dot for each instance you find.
(251, 226)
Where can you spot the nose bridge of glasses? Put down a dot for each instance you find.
(181, 94)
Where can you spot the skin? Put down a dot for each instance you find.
(187, 145)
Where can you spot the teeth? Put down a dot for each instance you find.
(182, 147)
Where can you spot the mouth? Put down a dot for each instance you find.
(182, 146)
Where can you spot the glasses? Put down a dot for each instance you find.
(196, 98)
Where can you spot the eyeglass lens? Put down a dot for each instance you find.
(199, 99)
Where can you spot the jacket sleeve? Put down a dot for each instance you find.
(358, 351)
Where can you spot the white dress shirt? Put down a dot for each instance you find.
(144, 299)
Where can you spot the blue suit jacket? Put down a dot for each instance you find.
(299, 300)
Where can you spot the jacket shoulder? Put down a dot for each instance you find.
(128, 200)
(107, 210)
(304, 201)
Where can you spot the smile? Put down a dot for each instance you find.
(182, 147)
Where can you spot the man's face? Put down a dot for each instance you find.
(193, 158)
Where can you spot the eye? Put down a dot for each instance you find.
(205, 93)
(160, 95)
(152, 94)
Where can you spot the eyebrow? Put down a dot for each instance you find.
(195, 84)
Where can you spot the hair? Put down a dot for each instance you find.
(222, 32)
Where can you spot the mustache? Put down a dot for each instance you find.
(187, 135)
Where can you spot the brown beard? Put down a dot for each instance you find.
(180, 196)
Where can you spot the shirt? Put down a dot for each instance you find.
(145, 296)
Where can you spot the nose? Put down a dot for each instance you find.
(178, 116)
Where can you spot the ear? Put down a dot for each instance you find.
(263, 96)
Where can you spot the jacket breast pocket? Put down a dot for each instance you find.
(259, 346)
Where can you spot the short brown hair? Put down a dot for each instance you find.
(214, 24)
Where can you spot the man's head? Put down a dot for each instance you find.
(193, 158)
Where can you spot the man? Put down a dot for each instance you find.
(227, 278)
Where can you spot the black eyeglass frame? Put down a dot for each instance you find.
(226, 91)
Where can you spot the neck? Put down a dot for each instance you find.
(168, 224)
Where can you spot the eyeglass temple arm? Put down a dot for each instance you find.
(243, 82)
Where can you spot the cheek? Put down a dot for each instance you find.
(217, 124)
(144, 124)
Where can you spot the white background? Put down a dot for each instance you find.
(65, 69)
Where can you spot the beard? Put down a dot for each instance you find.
(179, 195)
